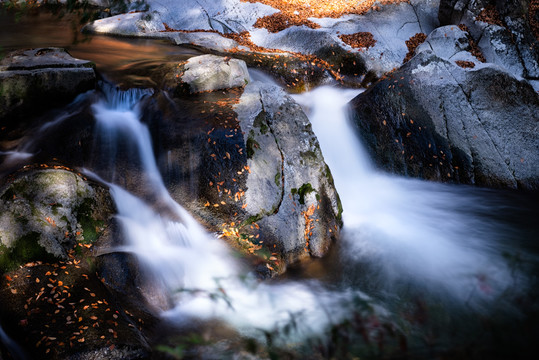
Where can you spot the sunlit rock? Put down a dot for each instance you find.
(435, 120)
(191, 23)
(210, 73)
(502, 30)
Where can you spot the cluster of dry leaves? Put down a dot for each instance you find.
(280, 21)
(475, 50)
(359, 40)
(297, 12)
(319, 9)
(465, 64)
(490, 15)
(412, 43)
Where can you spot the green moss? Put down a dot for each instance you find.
(16, 189)
(329, 177)
(309, 155)
(26, 249)
(260, 122)
(278, 179)
(90, 226)
(252, 144)
(302, 191)
(55, 208)
(251, 219)
(340, 209)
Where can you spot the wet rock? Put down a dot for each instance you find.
(62, 310)
(55, 298)
(210, 73)
(435, 120)
(124, 277)
(247, 164)
(38, 79)
(45, 213)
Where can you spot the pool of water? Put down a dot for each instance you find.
(121, 60)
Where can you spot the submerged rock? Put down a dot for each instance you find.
(38, 79)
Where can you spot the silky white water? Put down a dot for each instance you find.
(409, 232)
(413, 231)
(193, 267)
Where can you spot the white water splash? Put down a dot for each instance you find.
(416, 231)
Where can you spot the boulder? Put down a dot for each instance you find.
(45, 213)
(436, 120)
(502, 30)
(211, 72)
(52, 224)
(38, 79)
(390, 25)
(247, 164)
(289, 191)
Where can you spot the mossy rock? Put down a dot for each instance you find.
(45, 213)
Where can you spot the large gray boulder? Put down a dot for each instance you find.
(289, 190)
(436, 120)
(37, 79)
(247, 164)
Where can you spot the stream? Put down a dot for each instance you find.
(429, 268)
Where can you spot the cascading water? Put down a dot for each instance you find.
(409, 230)
(409, 233)
(189, 262)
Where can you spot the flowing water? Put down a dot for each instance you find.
(403, 239)
(428, 233)
(425, 259)
(193, 265)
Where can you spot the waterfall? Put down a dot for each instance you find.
(411, 230)
(195, 268)
(409, 233)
